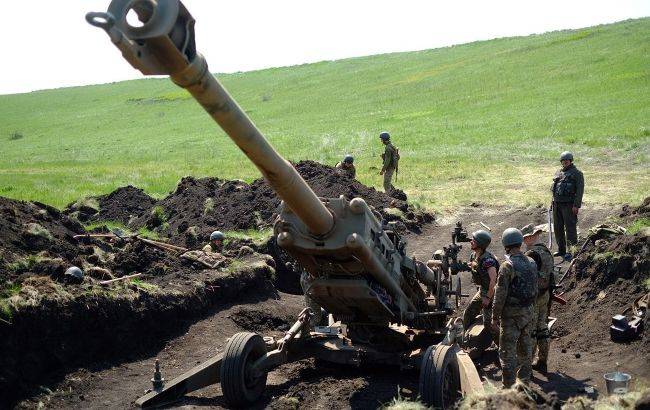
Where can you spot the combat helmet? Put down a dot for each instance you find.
(482, 238)
(73, 275)
(348, 159)
(384, 135)
(511, 237)
(217, 235)
(566, 155)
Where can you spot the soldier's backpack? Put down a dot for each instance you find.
(523, 287)
(544, 261)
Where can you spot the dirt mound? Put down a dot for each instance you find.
(610, 274)
(31, 228)
(642, 210)
(122, 205)
(200, 205)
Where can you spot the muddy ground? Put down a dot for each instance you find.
(92, 346)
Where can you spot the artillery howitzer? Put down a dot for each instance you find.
(386, 307)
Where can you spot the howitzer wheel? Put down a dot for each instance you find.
(440, 377)
(240, 384)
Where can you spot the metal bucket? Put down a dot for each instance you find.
(617, 382)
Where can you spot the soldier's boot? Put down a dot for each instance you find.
(494, 332)
(540, 366)
(541, 363)
(509, 375)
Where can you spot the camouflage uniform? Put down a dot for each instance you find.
(513, 305)
(351, 171)
(544, 260)
(305, 283)
(568, 187)
(390, 163)
(481, 278)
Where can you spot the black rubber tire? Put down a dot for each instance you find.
(440, 377)
(239, 387)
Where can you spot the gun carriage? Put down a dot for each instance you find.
(385, 307)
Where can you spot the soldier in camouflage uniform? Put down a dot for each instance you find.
(389, 158)
(216, 242)
(305, 283)
(484, 267)
(514, 308)
(346, 167)
(543, 258)
(567, 188)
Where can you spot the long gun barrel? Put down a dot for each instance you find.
(361, 270)
(162, 42)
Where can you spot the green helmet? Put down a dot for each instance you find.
(482, 238)
(566, 155)
(73, 275)
(512, 236)
(217, 235)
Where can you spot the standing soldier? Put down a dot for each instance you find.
(568, 187)
(346, 167)
(390, 158)
(536, 249)
(484, 267)
(514, 308)
(216, 242)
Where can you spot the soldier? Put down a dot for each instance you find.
(514, 308)
(305, 283)
(216, 243)
(568, 187)
(346, 167)
(390, 158)
(536, 249)
(484, 267)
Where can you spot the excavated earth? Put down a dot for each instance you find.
(66, 345)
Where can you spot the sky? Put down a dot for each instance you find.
(48, 44)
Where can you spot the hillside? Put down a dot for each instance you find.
(501, 110)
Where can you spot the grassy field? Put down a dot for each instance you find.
(481, 122)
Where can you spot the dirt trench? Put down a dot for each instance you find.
(93, 352)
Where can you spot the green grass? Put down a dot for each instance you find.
(25, 264)
(6, 310)
(638, 225)
(481, 122)
(142, 285)
(142, 232)
(257, 236)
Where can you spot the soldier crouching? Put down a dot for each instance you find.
(484, 267)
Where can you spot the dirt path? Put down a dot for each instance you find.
(574, 363)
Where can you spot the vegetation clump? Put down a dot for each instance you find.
(16, 135)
